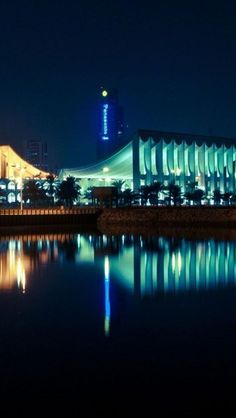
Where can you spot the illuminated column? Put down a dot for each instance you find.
(181, 165)
(147, 162)
(166, 171)
(159, 161)
(212, 168)
(170, 159)
(220, 167)
(229, 168)
(202, 165)
(191, 161)
(186, 162)
(136, 164)
(153, 159)
(207, 170)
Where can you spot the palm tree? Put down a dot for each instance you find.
(217, 196)
(227, 197)
(88, 194)
(233, 199)
(145, 194)
(190, 190)
(51, 188)
(118, 184)
(68, 191)
(33, 192)
(156, 188)
(174, 193)
(197, 196)
(127, 197)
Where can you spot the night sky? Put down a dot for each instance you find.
(173, 63)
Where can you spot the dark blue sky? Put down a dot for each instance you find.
(173, 63)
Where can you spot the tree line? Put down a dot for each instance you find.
(68, 192)
(171, 193)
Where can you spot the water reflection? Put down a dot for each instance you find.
(143, 265)
(107, 296)
(14, 266)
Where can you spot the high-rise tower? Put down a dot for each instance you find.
(111, 123)
(35, 152)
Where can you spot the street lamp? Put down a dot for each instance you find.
(176, 172)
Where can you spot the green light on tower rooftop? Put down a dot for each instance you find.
(104, 93)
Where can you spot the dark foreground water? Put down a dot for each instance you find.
(125, 326)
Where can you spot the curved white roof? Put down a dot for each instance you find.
(118, 166)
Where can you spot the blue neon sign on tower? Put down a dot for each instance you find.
(110, 124)
(105, 136)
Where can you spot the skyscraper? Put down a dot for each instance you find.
(36, 153)
(111, 123)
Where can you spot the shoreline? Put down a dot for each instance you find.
(191, 222)
(184, 232)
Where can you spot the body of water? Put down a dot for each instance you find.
(125, 325)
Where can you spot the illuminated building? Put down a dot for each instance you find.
(111, 124)
(13, 171)
(164, 156)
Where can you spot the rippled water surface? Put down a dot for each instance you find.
(146, 323)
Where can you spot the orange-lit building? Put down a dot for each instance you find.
(13, 171)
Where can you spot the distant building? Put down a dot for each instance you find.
(111, 123)
(36, 153)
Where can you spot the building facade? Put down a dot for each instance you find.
(13, 171)
(150, 156)
(184, 158)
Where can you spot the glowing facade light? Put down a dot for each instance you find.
(104, 93)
